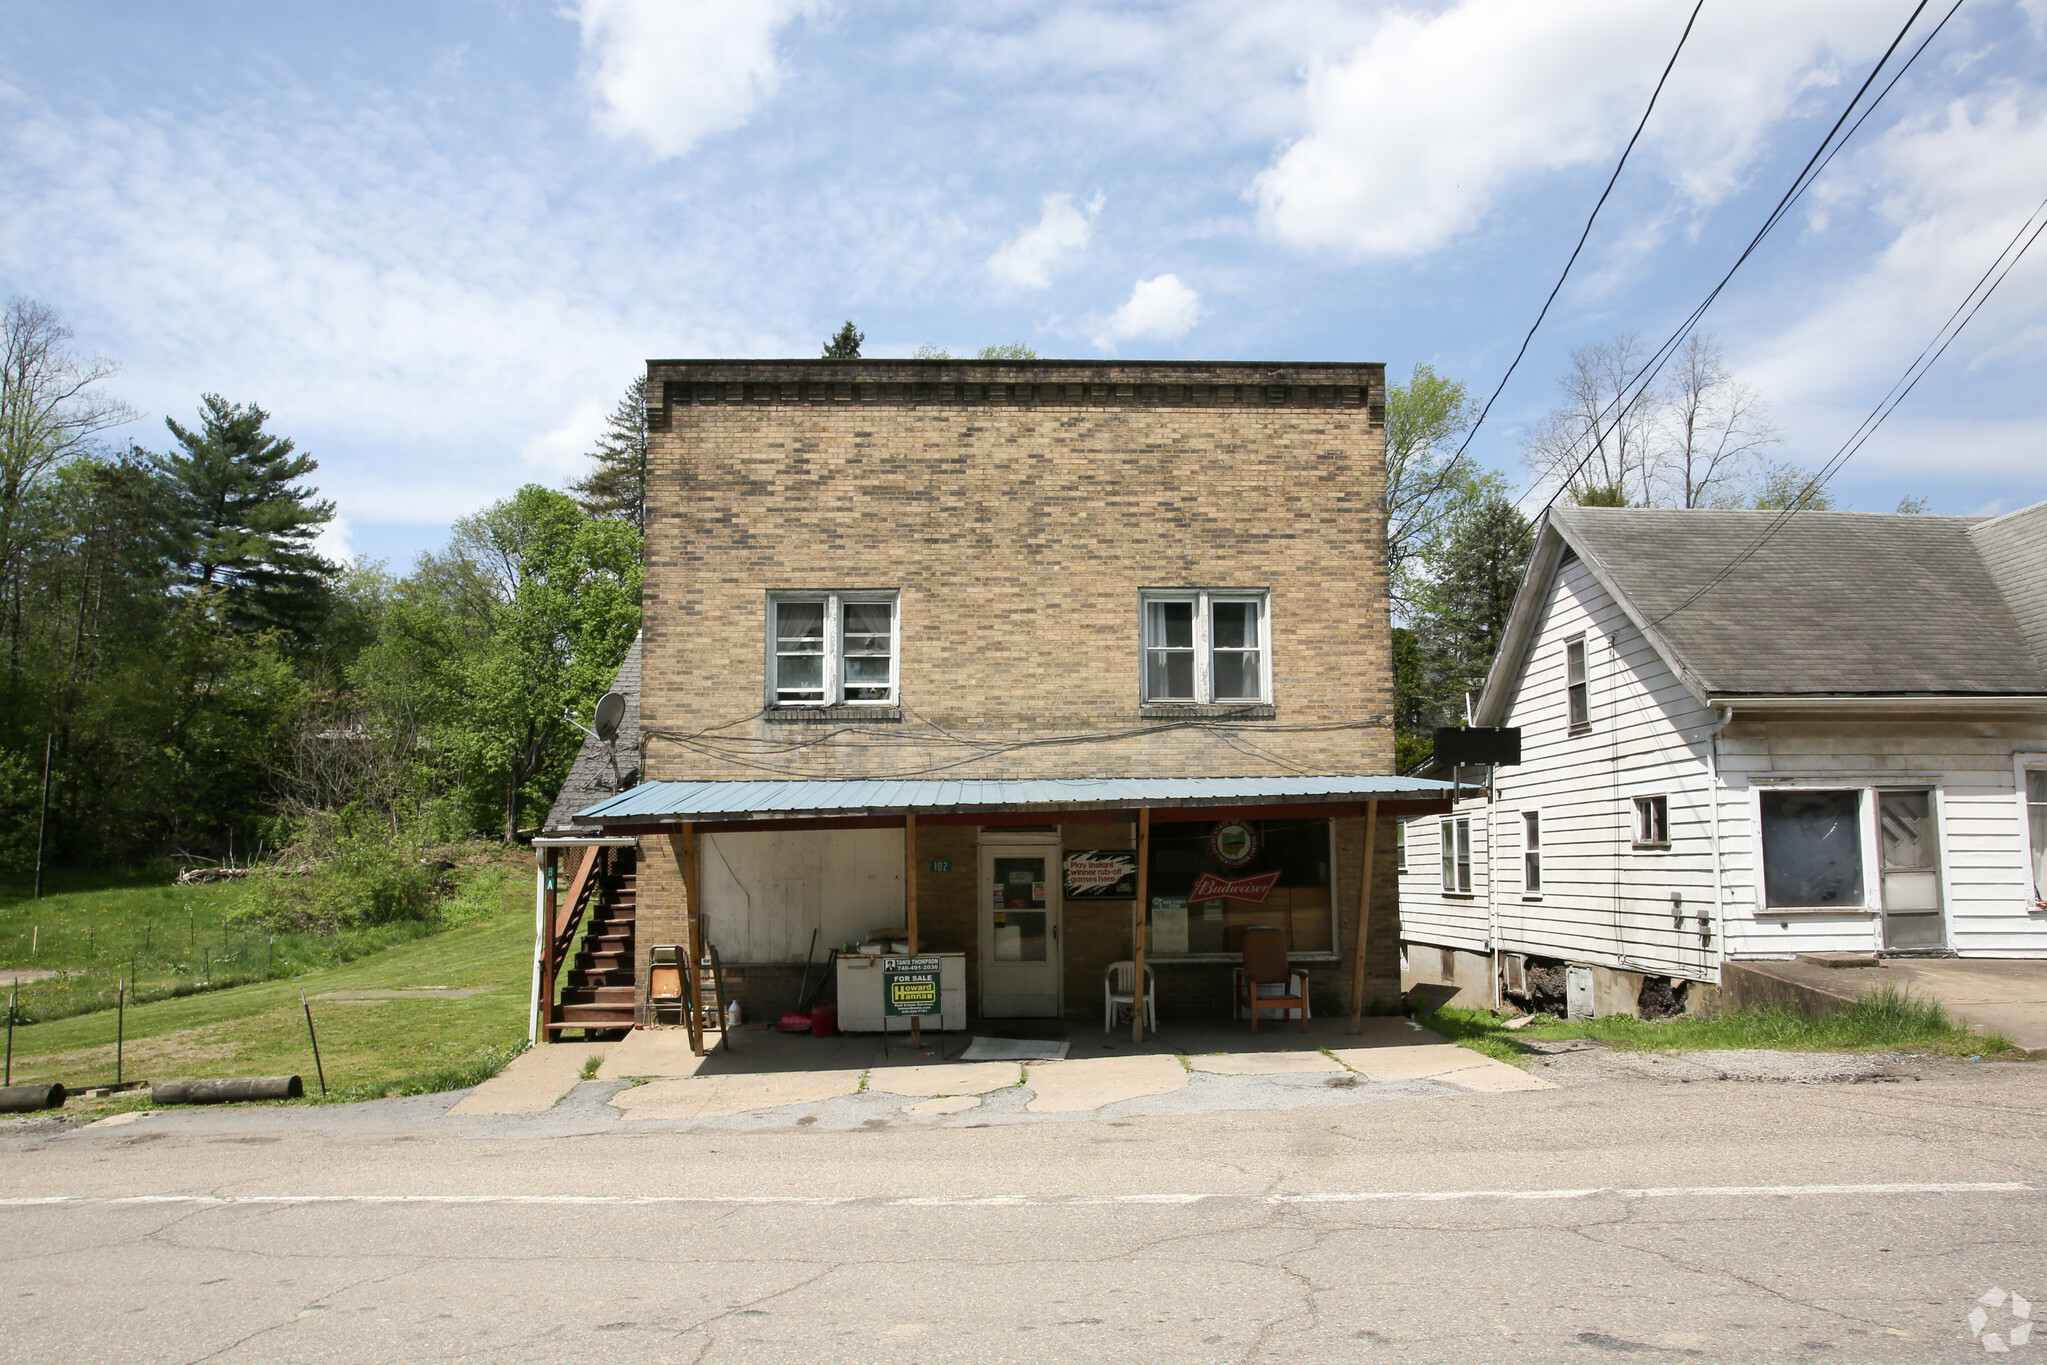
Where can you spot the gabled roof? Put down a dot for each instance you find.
(589, 780)
(1834, 604)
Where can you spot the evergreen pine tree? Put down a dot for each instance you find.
(245, 528)
(845, 343)
(1475, 571)
(617, 485)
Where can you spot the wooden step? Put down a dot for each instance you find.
(595, 1016)
(598, 995)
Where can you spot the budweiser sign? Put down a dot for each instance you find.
(1209, 887)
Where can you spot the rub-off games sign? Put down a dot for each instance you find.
(1256, 890)
(1102, 874)
(909, 986)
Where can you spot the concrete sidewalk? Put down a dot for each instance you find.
(1987, 995)
(1227, 1069)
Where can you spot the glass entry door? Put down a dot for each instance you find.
(1019, 928)
(1908, 847)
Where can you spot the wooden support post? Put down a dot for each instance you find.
(910, 922)
(694, 934)
(1364, 933)
(1137, 923)
(549, 903)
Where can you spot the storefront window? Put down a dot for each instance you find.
(1812, 849)
(1209, 883)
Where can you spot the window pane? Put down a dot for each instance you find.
(866, 626)
(800, 624)
(1236, 675)
(1464, 855)
(1236, 625)
(1447, 838)
(1812, 849)
(799, 677)
(1169, 675)
(2036, 810)
(1580, 695)
(1169, 625)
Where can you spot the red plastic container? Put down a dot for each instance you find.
(795, 1023)
(824, 1021)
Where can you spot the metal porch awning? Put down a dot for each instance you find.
(666, 803)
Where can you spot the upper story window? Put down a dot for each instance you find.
(1531, 853)
(1577, 689)
(1652, 822)
(1400, 846)
(832, 648)
(1206, 646)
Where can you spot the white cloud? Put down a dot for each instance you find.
(333, 542)
(1161, 307)
(562, 449)
(1941, 189)
(1026, 261)
(673, 72)
(1412, 139)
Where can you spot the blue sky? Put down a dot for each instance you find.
(436, 240)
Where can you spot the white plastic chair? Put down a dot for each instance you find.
(1118, 995)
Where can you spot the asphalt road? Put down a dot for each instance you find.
(1719, 1221)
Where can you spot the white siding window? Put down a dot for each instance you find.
(1652, 822)
(1531, 853)
(1206, 647)
(1577, 689)
(2036, 833)
(1812, 849)
(832, 648)
(1400, 846)
(1456, 837)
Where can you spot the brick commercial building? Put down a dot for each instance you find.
(1001, 624)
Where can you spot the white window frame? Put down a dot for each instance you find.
(1651, 804)
(1400, 845)
(1204, 600)
(835, 600)
(1531, 854)
(1579, 647)
(1453, 833)
(2023, 764)
(1866, 841)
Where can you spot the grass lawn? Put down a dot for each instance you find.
(1884, 1020)
(369, 1046)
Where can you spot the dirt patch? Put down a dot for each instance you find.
(1584, 1061)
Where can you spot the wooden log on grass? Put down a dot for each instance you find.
(227, 1090)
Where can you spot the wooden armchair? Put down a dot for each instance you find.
(1265, 964)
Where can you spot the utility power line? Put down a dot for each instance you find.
(1632, 390)
(1589, 221)
(1979, 294)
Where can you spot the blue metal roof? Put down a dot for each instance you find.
(659, 802)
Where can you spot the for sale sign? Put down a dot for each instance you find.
(909, 986)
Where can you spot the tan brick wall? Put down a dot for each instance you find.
(1018, 534)
(1018, 509)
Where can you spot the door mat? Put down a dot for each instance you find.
(1014, 1050)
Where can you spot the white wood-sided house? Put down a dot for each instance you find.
(1740, 742)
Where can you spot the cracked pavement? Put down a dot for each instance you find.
(1667, 1227)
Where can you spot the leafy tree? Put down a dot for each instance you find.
(1462, 606)
(845, 343)
(1600, 495)
(617, 484)
(1008, 350)
(527, 614)
(1787, 486)
(1914, 503)
(50, 411)
(1425, 476)
(247, 527)
(927, 352)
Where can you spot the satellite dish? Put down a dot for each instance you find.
(610, 712)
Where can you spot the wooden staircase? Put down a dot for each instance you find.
(598, 993)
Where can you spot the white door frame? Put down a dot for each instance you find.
(1003, 843)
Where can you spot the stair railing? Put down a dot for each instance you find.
(582, 895)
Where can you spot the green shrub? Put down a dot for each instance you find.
(360, 880)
